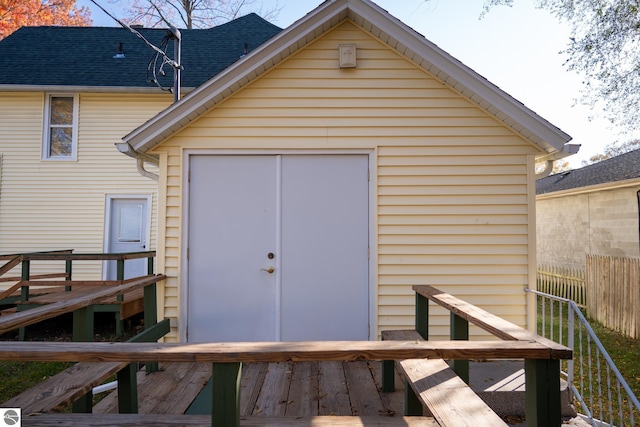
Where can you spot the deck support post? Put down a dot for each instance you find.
(422, 316)
(225, 405)
(68, 268)
(128, 389)
(83, 332)
(24, 293)
(150, 317)
(542, 393)
(412, 404)
(459, 332)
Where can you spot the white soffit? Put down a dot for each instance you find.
(380, 24)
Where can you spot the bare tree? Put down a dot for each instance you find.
(193, 13)
(604, 48)
(612, 150)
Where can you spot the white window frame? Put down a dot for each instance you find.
(46, 141)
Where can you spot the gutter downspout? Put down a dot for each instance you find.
(141, 158)
(567, 150)
(547, 170)
(142, 171)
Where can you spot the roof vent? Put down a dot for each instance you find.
(120, 53)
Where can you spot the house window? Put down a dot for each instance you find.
(61, 127)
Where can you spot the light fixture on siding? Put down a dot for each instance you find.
(347, 55)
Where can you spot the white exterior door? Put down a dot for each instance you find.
(278, 248)
(127, 231)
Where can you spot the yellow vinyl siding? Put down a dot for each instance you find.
(47, 205)
(451, 182)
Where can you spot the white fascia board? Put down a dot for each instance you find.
(85, 89)
(464, 79)
(372, 18)
(237, 75)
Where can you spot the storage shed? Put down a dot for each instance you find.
(305, 188)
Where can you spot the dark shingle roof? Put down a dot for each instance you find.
(83, 56)
(619, 168)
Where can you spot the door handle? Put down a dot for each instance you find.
(269, 269)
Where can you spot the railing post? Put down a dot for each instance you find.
(83, 332)
(422, 316)
(150, 265)
(459, 331)
(571, 345)
(24, 293)
(68, 268)
(225, 405)
(150, 317)
(120, 275)
(412, 404)
(128, 389)
(542, 393)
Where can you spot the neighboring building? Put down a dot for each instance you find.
(66, 96)
(305, 188)
(591, 210)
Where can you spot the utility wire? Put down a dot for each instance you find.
(167, 60)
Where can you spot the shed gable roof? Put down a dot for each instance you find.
(378, 22)
(620, 168)
(84, 56)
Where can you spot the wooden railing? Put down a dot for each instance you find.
(80, 306)
(541, 356)
(542, 369)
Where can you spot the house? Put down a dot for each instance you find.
(66, 95)
(591, 210)
(306, 187)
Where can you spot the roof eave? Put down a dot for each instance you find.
(79, 88)
(547, 137)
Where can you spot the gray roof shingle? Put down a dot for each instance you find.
(619, 168)
(84, 56)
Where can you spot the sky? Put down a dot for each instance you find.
(516, 48)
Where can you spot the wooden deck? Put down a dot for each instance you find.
(294, 389)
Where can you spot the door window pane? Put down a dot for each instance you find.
(130, 224)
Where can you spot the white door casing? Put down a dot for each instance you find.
(307, 216)
(127, 229)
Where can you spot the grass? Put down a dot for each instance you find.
(591, 375)
(16, 377)
(19, 376)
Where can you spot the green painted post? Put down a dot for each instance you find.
(150, 317)
(225, 405)
(120, 274)
(83, 332)
(150, 265)
(422, 316)
(26, 274)
(83, 324)
(388, 376)
(542, 393)
(128, 390)
(459, 331)
(24, 294)
(68, 269)
(412, 405)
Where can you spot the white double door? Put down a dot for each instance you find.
(278, 248)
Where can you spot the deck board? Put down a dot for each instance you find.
(366, 401)
(333, 393)
(299, 389)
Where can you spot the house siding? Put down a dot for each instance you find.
(49, 205)
(452, 185)
(603, 221)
